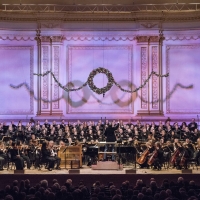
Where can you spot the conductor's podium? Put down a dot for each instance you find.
(107, 165)
(71, 157)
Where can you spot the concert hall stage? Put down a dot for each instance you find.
(89, 176)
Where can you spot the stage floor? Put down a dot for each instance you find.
(87, 170)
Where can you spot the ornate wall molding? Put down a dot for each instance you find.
(17, 37)
(56, 55)
(45, 81)
(168, 109)
(144, 74)
(155, 79)
(22, 111)
(53, 38)
(145, 39)
(100, 47)
(89, 37)
(181, 37)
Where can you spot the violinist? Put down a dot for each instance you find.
(197, 154)
(34, 153)
(15, 157)
(23, 153)
(54, 154)
(46, 155)
(190, 147)
(3, 154)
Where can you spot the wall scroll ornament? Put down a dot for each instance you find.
(103, 90)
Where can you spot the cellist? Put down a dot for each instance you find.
(158, 156)
(149, 148)
(181, 161)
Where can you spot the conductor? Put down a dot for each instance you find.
(110, 137)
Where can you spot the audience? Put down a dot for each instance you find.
(43, 190)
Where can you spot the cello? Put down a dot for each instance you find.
(175, 156)
(153, 157)
(141, 160)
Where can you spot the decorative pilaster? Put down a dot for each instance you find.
(150, 61)
(144, 74)
(50, 53)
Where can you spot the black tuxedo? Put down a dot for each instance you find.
(110, 133)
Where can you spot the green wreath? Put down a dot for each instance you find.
(91, 82)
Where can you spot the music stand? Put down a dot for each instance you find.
(119, 152)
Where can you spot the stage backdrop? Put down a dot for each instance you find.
(72, 54)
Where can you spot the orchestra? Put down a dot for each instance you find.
(28, 144)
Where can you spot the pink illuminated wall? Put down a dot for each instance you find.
(71, 55)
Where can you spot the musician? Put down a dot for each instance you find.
(46, 124)
(147, 149)
(60, 136)
(28, 133)
(89, 136)
(100, 137)
(192, 125)
(15, 157)
(3, 154)
(38, 130)
(1, 131)
(62, 125)
(74, 136)
(157, 164)
(164, 136)
(194, 135)
(173, 136)
(129, 123)
(24, 154)
(82, 137)
(20, 134)
(197, 154)
(181, 161)
(34, 152)
(186, 133)
(119, 134)
(144, 134)
(52, 135)
(110, 137)
(46, 155)
(54, 154)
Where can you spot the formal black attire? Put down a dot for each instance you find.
(158, 160)
(110, 137)
(46, 157)
(16, 158)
